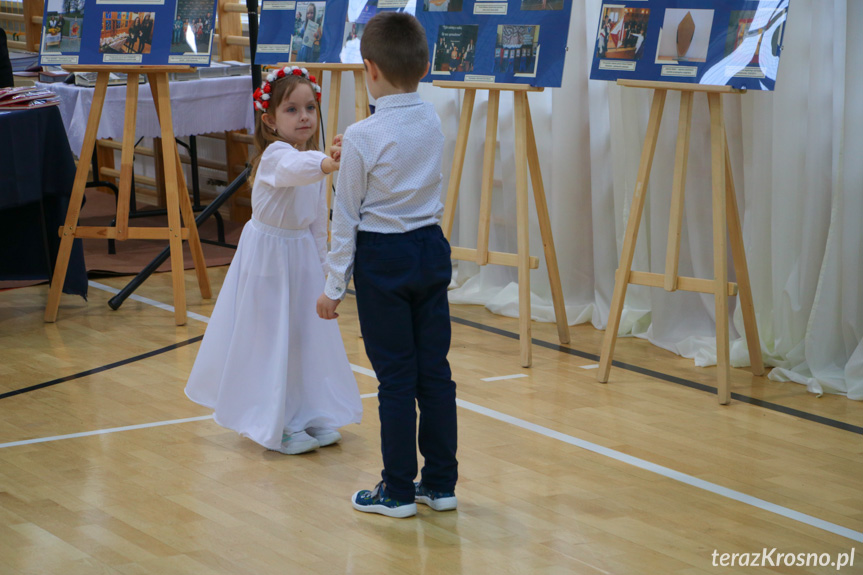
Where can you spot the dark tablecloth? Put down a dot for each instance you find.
(37, 170)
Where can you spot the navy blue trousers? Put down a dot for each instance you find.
(401, 282)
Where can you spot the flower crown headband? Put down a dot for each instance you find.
(262, 94)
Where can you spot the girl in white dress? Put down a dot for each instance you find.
(268, 365)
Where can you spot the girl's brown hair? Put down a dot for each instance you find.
(281, 88)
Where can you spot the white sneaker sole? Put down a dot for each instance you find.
(400, 512)
(328, 438)
(441, 504)
(295, 448)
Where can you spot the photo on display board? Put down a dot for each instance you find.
(350, 53)
(542, 4)
(62, 26)
(455, 49)
(746, 37)
(127, 32)
(192, 27)
(308, 30)
(685, 36)
(622, 32)
(442, 5)
(516, 50)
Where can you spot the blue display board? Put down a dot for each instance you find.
(713, 42)
(136, 32)
(301, 31)
(512, 41)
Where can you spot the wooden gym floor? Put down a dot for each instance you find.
(106, 467)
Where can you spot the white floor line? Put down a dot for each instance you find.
(502, 377)
(363, 370)
(593, 447)
(666, 472)
(104, 431)
(590, 366)
(149, 301)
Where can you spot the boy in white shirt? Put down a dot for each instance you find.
(386, 232)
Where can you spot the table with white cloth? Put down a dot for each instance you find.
(201, 106)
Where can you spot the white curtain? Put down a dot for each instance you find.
(797, 156)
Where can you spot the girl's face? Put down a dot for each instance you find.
(310, 12)
(296, 117)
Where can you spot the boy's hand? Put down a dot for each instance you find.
(327, 307)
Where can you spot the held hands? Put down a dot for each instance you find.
(329, 165)
(327, 307)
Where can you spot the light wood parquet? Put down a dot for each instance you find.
(195, 498)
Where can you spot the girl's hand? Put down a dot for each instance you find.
(329, 165)
(336, 152)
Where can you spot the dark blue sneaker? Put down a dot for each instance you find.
(377, 501)
(437, 500)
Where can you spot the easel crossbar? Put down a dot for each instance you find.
(683, 283)
(113, 233)
(497, 258)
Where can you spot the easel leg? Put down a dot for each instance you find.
(741, 269)
(487, 177)
(621, 277)
(188, 216)
(545, 229)
(522, 223)
(361, 96)
(675, 220)
(77, 198)
(720, 255)
(159, 85)
(458, 162)
(332, 124)
(194, 236)
(127, 158)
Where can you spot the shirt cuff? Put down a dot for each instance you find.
(335, 288)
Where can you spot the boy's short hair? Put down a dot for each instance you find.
(396, 43)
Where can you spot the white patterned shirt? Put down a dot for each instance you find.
(389, 179)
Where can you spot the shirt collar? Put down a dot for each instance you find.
(398, 101)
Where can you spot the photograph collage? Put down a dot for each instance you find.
(685, 36)
(514, 51)
(490, 38)
(148, 32)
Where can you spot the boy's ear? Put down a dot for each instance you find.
(372, 69)
(428, 65)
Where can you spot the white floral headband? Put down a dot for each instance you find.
(262, 94)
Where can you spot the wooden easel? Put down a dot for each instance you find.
(361, 105)
(175, 187)
(526, 156)
(725, 212)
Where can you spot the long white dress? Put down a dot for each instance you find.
(268, 363)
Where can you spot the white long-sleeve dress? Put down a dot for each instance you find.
(268, 363)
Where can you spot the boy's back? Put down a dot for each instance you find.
(400, 148)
